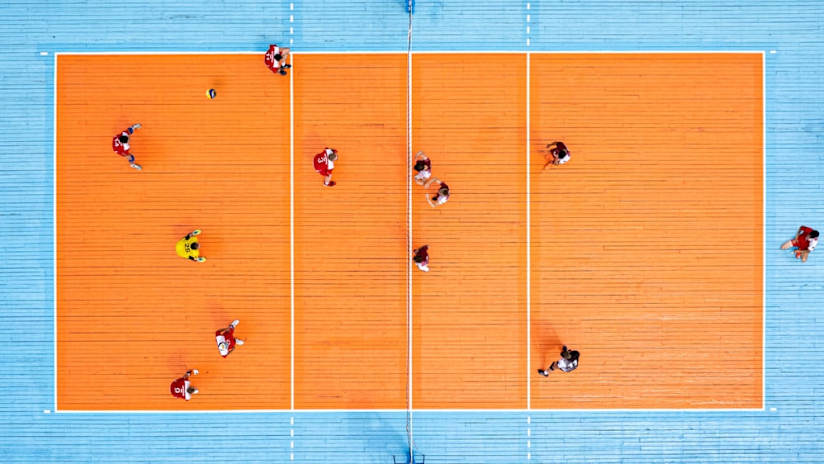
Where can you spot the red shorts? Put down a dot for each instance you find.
(324, 172)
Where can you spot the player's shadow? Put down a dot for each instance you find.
(547, 342)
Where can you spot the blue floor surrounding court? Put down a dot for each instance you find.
(789, 430)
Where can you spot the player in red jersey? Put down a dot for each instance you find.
(120, 145)
(275, 59)
(226, 340)
(421, 258)
(805, 241)
(557, 153)
(441, 196)
(181, 388)
(324, 163)
(423, 167)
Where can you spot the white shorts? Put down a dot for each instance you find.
(423, 175)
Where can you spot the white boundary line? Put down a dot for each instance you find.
(409, 291)
(403, 411)
(54, 224)
(420, 52)
(292, 234)
(764, 231)
(528, 251)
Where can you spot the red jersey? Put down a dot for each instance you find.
(270, 60)
(226, 335)
(119, 147)
(178, 388)
(322, 163)
(427, 165)
(803, 241)
(422, 256)
(559, 148)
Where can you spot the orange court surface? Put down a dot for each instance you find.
(644, 252)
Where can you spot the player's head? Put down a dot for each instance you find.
(418, 258)
(814, 234)
(443, 191)
(222, 346)
(332, 156)
(420, 166)
(563, 153)
(195, 245)
(123, 138)
(278, 56)
(191, 390)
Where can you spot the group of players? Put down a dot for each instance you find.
(188, 247)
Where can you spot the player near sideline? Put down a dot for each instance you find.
(421, 258)
(226, 340)
(120, 145)
(805, 241)
(567, 363)
(188, 247)
(557, 153)
(423, 167)
(275, 59)
(182, 388)
(441, 196)
(324, 164)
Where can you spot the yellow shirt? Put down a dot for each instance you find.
(184, 248)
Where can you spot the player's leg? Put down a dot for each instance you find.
(327, 181)
(787, 245)
(234, 323)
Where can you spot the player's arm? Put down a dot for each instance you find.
(804, 255)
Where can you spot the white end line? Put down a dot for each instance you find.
(528, 246)
(292, 232)
(764, 231)
(54, 225)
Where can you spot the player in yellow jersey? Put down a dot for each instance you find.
(187, 247)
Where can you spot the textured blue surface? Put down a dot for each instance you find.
(795, 145)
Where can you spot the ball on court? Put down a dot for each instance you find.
(211, 94)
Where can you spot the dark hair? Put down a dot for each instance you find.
(278, 57)
(418, 258)
(123, 139)
(563, 153)
(420, 166)
(814, 234)
(443, 191)
(195, 246)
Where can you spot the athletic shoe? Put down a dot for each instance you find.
(330, 184)
(282, 71)
(286, 66)
(201, 259)
(136, 166)
(543, 372)
(239, 342)
(235, 323)
(196, 232)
